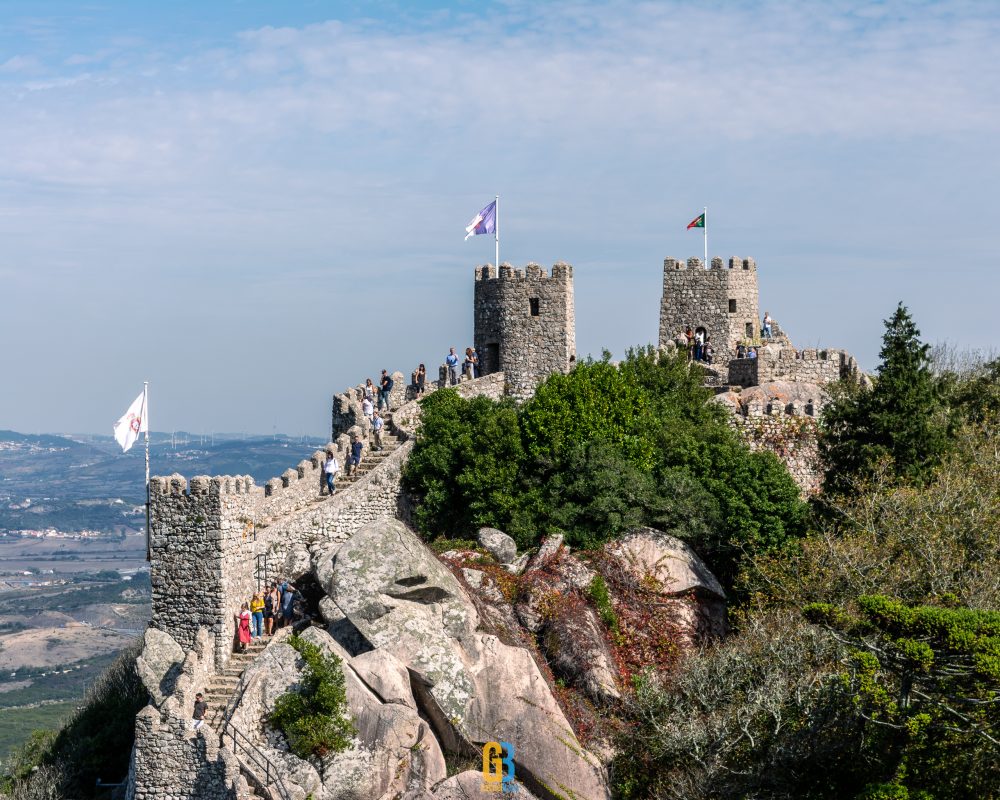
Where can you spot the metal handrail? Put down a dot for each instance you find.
(271, 780)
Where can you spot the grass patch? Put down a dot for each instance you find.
(17, 724)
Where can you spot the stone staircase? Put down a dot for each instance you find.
(370, 460)
(220, 689)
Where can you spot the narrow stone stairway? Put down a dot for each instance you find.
(220, 689)
(370, 460)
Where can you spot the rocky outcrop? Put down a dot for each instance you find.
(394, 750)
(498, 544)
(159, 666)
(656, 559)
(468, 785)
(474, 688)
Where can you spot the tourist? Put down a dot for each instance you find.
(752, 352)
(689, 336)
(257, 615)
(468, 364)
(330, 468)
(269, 609)
(741, 350)
(421, 379)
(243, 626)
(354, 459)
(369, 390)
(386, 388)
(765, 330)
(367, 407)
(473, 358)
(708, 352)
(699, 344)
(288, 602)
(377, 426)
(200, 708)
(275, 596)
(452, 362)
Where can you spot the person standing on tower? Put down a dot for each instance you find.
(452, 361)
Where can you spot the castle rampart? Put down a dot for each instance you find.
(787, 364)
(721, 299)
(525, 323)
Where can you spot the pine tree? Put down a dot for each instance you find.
(898, 420)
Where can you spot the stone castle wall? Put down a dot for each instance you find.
(793, 439)
(525, 324)
(722, 300)
(787, 364)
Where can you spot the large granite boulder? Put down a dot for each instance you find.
(574, 642)
(394, 750)
(472, 687)
(687, 586)
(498, 544)
(159, 664)
(468, 785)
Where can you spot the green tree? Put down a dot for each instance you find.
(900, 419)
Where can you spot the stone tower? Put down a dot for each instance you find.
(525, 324)
(721, 299)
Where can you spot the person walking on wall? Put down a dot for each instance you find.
(689, 335)
(330, 468)
(452, 361)
(699, 344)
(708, 352)
(200, 709)
(367, 407)
(377, 425)
(386, 387)
(421, 379)
(765, 329)
(243, 627)
(369, 390)
(275, 596)
(257, 615)
(354, 459)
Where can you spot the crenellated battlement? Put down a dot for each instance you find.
(735, 263)
(177, 485)
(561, 273)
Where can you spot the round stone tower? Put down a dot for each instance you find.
(525, 324)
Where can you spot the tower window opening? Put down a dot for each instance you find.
(749, 330)
(533, 302)
(732, 306)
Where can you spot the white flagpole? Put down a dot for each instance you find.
(705, 230)
(496, 230)
(145, 412)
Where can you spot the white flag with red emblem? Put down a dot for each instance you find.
(128, 428)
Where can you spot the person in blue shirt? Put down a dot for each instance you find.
(354, 460)
(452, 361)
(377, 425)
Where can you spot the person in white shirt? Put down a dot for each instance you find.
(766, 328)
(330, 467)
(367, 407)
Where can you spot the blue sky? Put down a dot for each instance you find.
(253, 205)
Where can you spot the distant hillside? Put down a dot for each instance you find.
(74, 482)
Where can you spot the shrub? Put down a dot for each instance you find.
(314, 719)
(598, 591)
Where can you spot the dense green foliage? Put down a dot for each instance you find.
(314, 719)
(95, 743)
(898, 420)
(926, 680)
(596, 452)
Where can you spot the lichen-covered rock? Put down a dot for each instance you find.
(574, 642)
(471, 686)
(549, 547)
(498, 544)
(159, 664)
(468, 785)
(297, 562)
(647, 554)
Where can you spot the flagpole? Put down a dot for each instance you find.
(705, 231)
(145, 411)
(496, 230)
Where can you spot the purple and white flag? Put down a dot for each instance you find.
(484, 222)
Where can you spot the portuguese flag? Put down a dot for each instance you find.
(697, 222)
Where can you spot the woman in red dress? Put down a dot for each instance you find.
(243, 626)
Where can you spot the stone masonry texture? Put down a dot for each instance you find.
(525, 324)
(703, 298)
